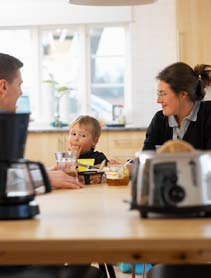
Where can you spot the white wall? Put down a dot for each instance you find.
(153, 48)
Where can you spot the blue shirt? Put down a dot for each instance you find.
(179, 132)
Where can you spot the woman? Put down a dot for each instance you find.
(184, 115)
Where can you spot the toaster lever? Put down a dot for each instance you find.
(192, 164)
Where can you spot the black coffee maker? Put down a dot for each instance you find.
(19, 178)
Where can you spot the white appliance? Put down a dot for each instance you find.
(111, 2)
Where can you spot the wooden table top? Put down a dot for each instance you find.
(95, 225)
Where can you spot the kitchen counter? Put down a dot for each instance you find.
(41, 128)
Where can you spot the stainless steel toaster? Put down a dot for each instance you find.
(172, 183)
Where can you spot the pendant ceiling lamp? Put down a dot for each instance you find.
(111, 2)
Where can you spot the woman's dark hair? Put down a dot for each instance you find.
(181, 77)
(9, 66)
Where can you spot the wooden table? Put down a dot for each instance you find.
(95, 225)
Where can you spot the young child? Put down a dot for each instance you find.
(83, 136)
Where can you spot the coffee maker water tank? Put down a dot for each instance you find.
(13, 132)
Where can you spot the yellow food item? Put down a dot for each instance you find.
(86, 161)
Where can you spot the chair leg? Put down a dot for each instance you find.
(133, 270)
(111, 271)
(103, 269)
(144, 271)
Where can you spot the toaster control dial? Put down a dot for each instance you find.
(174, 194)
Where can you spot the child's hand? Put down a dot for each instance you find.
(77, 149)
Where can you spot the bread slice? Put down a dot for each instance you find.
(173, 146)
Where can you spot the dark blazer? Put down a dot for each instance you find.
(198, 133)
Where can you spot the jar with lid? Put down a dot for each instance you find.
(117, 174)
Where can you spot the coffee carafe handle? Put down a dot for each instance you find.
(41, 168)
(45, 177)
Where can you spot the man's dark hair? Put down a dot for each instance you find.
(9, 66)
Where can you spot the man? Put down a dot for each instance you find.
(10, 91)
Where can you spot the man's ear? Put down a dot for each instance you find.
(3, 87)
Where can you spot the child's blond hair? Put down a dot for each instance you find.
(86, 120)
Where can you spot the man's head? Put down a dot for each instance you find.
(10, 82)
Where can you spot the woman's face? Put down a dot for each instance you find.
(170, 102)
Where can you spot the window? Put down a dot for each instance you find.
(83, 67)
(60, 68)
(107, 47)
(23, 50)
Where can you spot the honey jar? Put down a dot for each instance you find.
(116, 174)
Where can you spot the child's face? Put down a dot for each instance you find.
(81, 138)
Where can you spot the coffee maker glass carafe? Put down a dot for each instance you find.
(20, 179)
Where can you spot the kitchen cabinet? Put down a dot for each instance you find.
(116, 144)
(41, 146)
(122, 145)
(193, 29)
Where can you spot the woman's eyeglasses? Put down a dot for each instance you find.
(161, 94)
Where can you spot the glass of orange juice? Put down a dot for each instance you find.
(66, 161)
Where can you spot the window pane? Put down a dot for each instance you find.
(60, 55)
(23, 104)
(18, 43)
(107, 46)
(60, 65)
(107, 41)
(113, 95)
(107, 70)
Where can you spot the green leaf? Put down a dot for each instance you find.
(63, 89)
